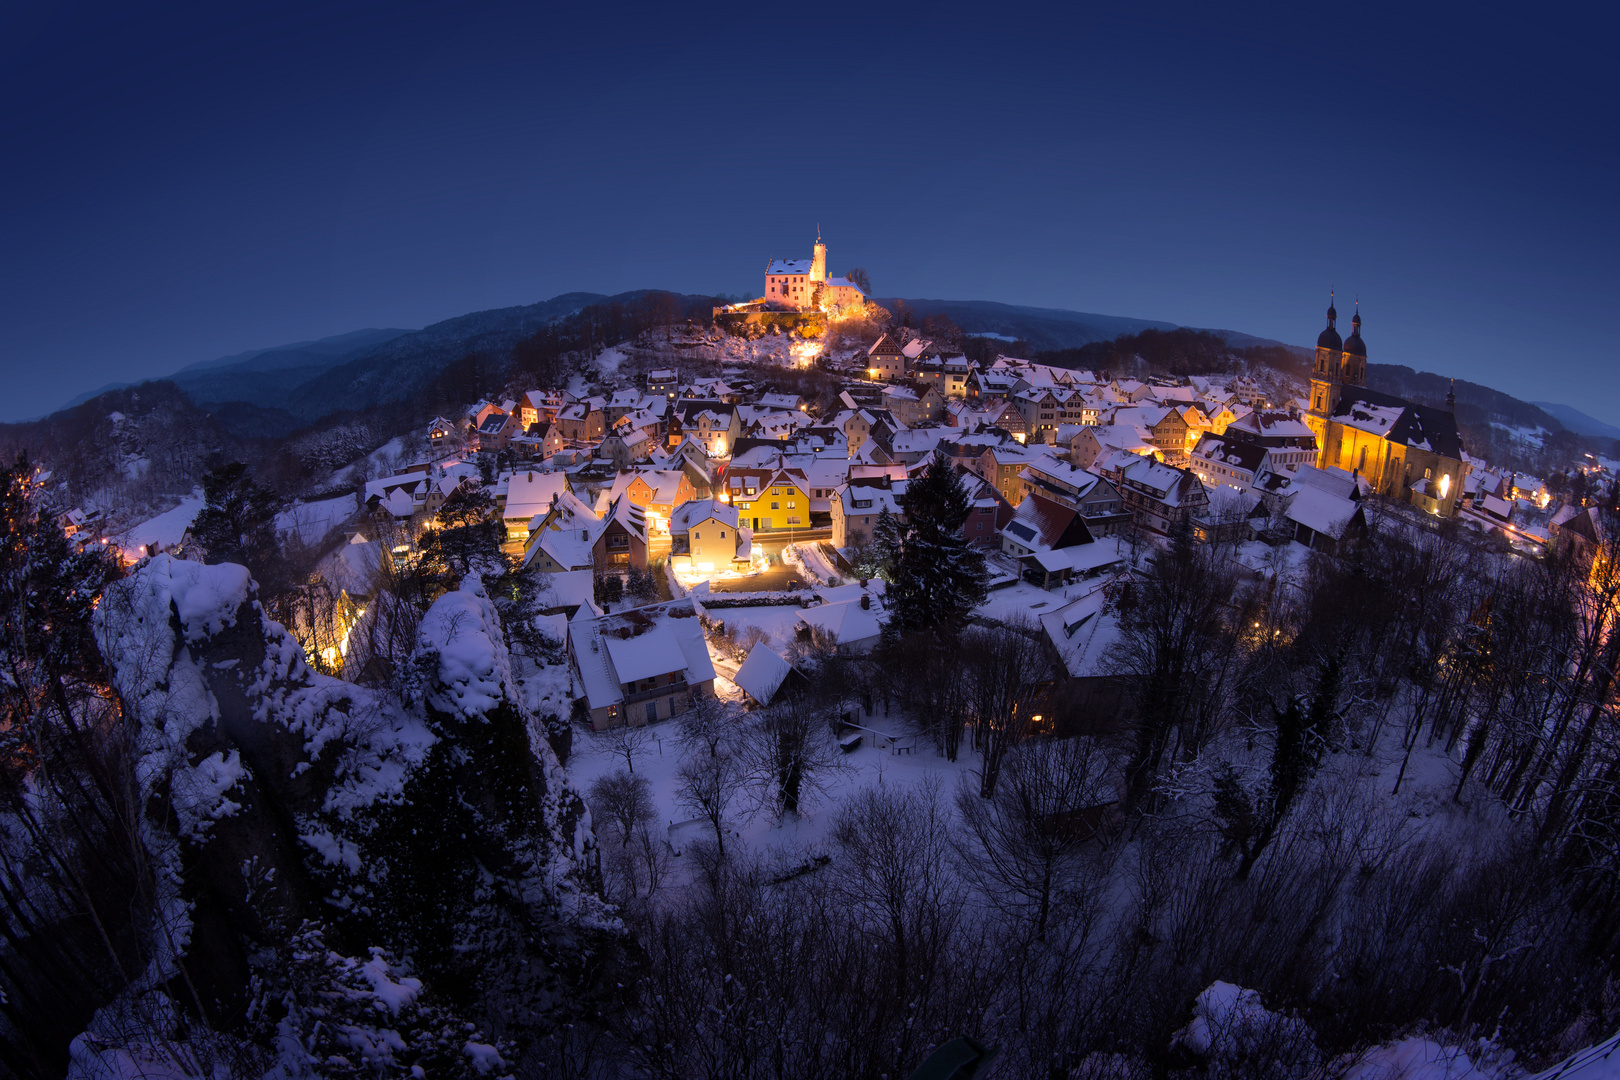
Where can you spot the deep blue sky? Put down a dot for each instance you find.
(179, 183)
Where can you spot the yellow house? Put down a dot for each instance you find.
(768, 500)
(707, 531)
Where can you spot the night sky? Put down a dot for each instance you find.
(181, 183)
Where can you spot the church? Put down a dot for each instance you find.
(1405, 451)
(803, 284)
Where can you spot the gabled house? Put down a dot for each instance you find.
(766, 675)
(664, 383)
(1160, 497)
(582, 421)
(911, 407)
(858, 505)
(708, 533)
(1053, 545)
(713, 425)
(639, 666)
(885, 360)
(1323, 508)
(1096, 499)
(622, 539)
(850, 625)
(1234, 463)
(768, 499)
(529, 495)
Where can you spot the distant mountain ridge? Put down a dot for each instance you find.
(1043, 328)
(274, 391)
(1577, 421)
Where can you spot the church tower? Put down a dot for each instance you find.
(1353, 369)
(1327, 375)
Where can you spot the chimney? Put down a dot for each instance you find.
(866, 601)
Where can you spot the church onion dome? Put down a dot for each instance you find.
(1353, 344)
(1330, 337)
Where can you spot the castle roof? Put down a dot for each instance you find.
(789, 266)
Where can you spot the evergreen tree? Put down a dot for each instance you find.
(938, 578)
(468, 537)
(236, 524)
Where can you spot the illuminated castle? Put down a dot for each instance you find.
(803, 284)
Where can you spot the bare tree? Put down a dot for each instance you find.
(627, 741)
(792, 749)
(1005, 669)
(1021, 846)
(706, 784)
(623, 799)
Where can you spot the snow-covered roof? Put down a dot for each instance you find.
(844, 623)
(531, 493)
(762, 673)
(311, 522)
(698, 511)
(1081, 558)
(164, 531)
(1320, 511)
(789, 266)
(1081, 632)
(613, 650)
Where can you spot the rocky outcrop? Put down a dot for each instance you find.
(434, 826)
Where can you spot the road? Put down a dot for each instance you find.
(778, 577)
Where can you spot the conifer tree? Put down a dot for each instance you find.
(938, 577)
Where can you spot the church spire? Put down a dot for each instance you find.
(1333, 313)
(1451, 397)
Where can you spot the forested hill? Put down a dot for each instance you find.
(1042, 328)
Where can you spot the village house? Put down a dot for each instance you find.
(713, 425)
(850, 624)
(1322, 508)
(768, 499)
(622, 538)
(912, 408)
(1053, 544)
(639, 666)
(664, 383)
(766, 673)
(1231, 462)
(529, 495)
(858, 505)
(947, 374)
(707, 532)
(657, 491)
(1288, 439)
(1093, 496)
(583, 421)
(1160, 496)
(885, 361)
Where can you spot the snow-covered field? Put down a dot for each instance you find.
(754, 828)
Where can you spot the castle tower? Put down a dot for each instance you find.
(818, 262)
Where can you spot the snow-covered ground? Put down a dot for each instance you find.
(811, 562)
(161, 532)
(754, 828)
(309, 523)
